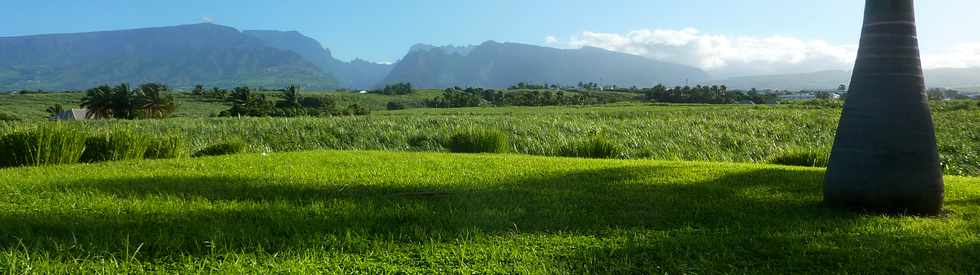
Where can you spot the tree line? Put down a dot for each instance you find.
(147, 101)
(472, 97)
(246, 102)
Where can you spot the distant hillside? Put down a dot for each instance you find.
(499, 65)
(179, 56)
(944, 78)
(357, 74)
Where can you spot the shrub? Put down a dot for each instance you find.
(479, 141)
(116, 145)
(596, 147)
(58, 144)
(220, 149)
(167, 147)
(426, 143)
(395, 106)
(803, 157)
(8, 117)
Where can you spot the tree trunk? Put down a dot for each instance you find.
(884, 158)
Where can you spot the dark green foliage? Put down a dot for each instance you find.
(426, 143)
(479, 141)
(355, 110)
(116, 145)
(247, 103)
(396, 89)
(290, 98)
(55, 109)
(220, 149)
(48, 145)
(395, 106)
(803, 157)
(706, 94)
(474, 97)
(8, 117)
(152, 100)
(167, 147)
(596, 147)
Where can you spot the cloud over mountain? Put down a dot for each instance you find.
(726, 56)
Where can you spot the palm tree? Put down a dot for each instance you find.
(885, 158)
(122, 102)
(290, 98)
(99, 101)
(153, 101)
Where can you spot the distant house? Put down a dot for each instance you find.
(73, 114)
(363, 92)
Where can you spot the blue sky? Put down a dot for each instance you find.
(383, 30)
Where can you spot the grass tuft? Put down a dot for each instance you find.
(479, 141)
(803, 157)
(167, 147)
(47, 145)
(116, 145)
(220, 149)
(596, 147)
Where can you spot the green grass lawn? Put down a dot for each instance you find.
(382, 212)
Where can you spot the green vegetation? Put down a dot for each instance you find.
(377, 212)
(479, 141)
(803, 157)
(596, 147)
(116, 145)
(53, 144)
(147, 101)
(170, 146)
(220, 149)
(725, 133)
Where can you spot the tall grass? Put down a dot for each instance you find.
(670, 132)
(47, 145)
(120, 144)
(596, 147)
(224, 148)
(479, 141)
(169, 146)
(807, 157)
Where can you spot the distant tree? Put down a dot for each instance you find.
(395, 106)
(290, 98)
(823, 95)
(198, 90)
(122, 102)
(99, 101)
(55, 109)
(153, 101)
(936, 94)
(842, 88)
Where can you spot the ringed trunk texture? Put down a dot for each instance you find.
(885, 158)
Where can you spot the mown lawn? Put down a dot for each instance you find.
(377, 212)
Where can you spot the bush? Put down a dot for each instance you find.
(8, 117)
(803, 157)
(115, 146)
(167, 147)
(48, 145)
(595, 147)
(479, 141)
(227, 148)
(395, 106)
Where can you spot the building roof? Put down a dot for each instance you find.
(73, 114)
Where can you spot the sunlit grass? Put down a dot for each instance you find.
(377, 212)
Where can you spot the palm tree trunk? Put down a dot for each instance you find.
(885, 158)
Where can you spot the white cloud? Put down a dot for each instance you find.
(207, 19)
(551, 40)
(724, 55)
(964, 55)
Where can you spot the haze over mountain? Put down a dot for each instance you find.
(357, 74)
(822, 80)
(499, 65)
(180, 56)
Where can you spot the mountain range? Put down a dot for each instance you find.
(215, 55)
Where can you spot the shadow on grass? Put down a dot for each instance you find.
(202, 215)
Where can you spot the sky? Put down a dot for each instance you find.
(727, 37)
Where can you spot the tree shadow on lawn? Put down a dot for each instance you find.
(269, 215)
